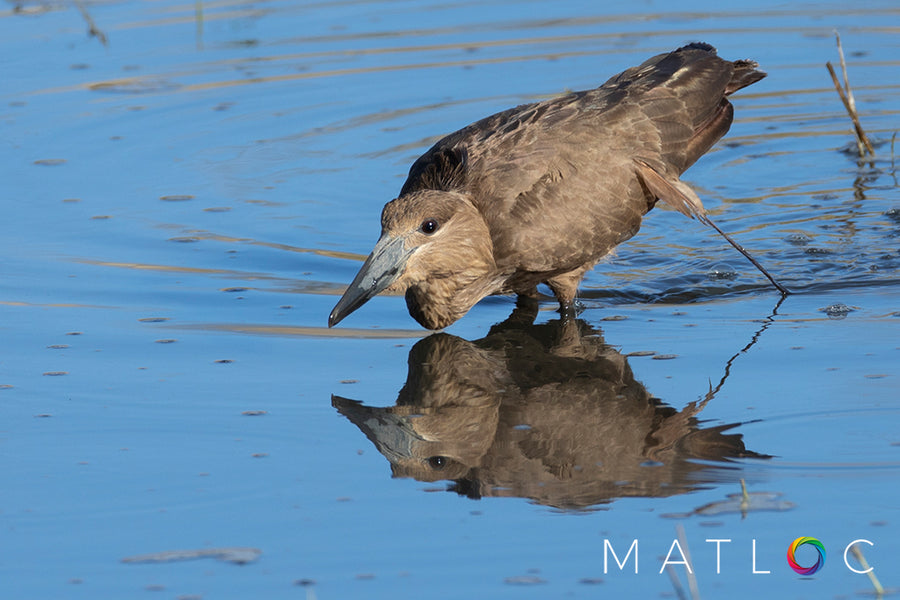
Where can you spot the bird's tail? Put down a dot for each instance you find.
(745, 73)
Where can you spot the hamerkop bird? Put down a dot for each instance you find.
(541, 192)
(592, 427)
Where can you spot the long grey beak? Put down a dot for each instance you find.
(382, 268)
(393, 434)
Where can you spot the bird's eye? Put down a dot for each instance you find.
(429, 226)
(437, 462)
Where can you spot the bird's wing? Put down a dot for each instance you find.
(501, 148)
(585, 167)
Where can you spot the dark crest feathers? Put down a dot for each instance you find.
(443, 169)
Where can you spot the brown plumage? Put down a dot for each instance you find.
(548, 412)
(541, 192)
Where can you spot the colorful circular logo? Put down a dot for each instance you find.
(800, 541)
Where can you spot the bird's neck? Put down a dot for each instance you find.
(438, 302)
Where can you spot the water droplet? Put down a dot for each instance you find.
(720, 272)
(893, 214)
(838, 310)
(798, 239)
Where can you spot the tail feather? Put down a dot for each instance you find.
(745, 73)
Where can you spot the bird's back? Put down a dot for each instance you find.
(541, 192)
(555, 180)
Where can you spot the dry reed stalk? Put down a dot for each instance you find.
(863, 145)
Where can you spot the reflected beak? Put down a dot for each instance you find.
(383, 267)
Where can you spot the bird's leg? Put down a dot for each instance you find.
(564, 287)
(569, 340)
(522, 316)
(567, 309)
(526, 311)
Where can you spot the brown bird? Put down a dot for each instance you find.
(541, 192)
(591, 426)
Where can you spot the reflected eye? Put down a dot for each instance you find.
(429, 226)
(437, 462)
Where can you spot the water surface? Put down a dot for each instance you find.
(183, 205)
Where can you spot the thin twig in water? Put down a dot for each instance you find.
(766, 323)
(676, 583)
(893, 139)
(745, 500)
(692, 579)
(879, 590)
(93, 30)
(784, 291)
(864, 146)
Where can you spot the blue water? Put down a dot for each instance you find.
(183, 206)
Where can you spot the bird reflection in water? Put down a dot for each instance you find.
(547, 412)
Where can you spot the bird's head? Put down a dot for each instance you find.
(434, 244)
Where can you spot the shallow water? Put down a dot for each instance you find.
(183, 206)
